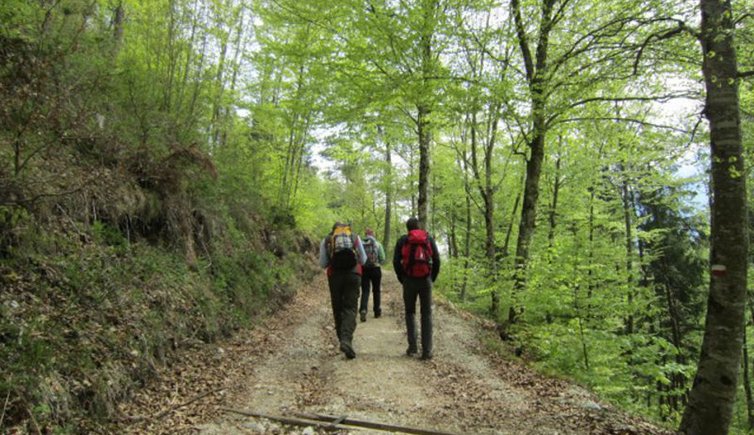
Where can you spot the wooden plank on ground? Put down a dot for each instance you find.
(290, 420)
(371, 424)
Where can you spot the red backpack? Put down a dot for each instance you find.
(416, 254)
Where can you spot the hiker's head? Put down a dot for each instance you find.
(337, 224)
(412, 223)
(369, 232)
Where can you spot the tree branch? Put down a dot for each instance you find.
(660, 98)
(523, 41)
(681, 27)
(620, 119)
(743, 17)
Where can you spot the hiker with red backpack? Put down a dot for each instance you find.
(417, 263)
(342, 254)
(372, 275)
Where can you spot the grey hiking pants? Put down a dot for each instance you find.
(421, 288)
(345, 287)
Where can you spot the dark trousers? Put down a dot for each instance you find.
(372, 276)
(344, 295)
(421, 288)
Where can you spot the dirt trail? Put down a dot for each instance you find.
(292, 364)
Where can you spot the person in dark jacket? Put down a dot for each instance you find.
(372, 275)
(417, 270)
(341, 253)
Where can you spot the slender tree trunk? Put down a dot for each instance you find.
(424, 142)
(489, 206)
(484, 185)
(747, 385)
(466, 243)
(536, 67)
(747, 378)
(299, 156)
(294, 138)
(629, 243)
(119, 16)
(227, 121)
(713, 394)
(219, 88)
(187, 64)
(678, 382)
(424, 108)
(528, 216)
(554, 205)
(511, 223)
(388, 189)
(198, 83)
(453, 236)
(167, 91)
(590, 253)
(580, 318)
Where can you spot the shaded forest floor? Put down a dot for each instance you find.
(290, 364)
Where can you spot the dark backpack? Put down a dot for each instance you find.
(416, 254)
(341, 248)
(372, 251)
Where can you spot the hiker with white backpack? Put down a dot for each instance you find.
(342, 254)
(372, 275)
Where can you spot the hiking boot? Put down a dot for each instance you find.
(347, 350)
(363, 316)
(411, 351)
(426, 356)
(377, 314)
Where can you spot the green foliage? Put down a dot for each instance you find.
(161, 170)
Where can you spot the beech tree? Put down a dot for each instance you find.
(711, 399)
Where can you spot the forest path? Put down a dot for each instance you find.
(291, 364)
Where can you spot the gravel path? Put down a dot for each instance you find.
(291, 364)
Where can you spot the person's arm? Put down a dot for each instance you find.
(360, 251)
(380, 253)
(435, 259)
(397, 260)
(324, 259)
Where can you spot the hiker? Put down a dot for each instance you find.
(372, 275)
(417, 264)
(342, 254)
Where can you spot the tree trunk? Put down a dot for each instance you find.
(628, 225)
(452, 236)
(424, 108)
(712, 397)
(486, 191)
(388, 190)
(227, 121)
(554, 205)
(119, 16)
(747, 378)
(747, 386)
(536, 67)
(528, 214)
(509, 231)
(424, 141)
